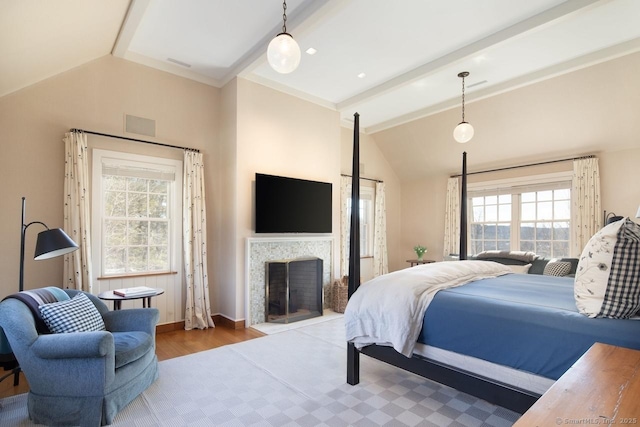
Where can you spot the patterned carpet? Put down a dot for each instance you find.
(292, 378)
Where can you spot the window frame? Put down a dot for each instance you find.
(515, 187)
(537, 241)
(174, 201)
(367, 225)
(367, 220)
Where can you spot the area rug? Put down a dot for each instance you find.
(292, 378)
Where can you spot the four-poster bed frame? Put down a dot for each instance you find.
(488, 389)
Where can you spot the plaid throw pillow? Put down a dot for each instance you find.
(557, 268)
(75, 315)
(622, 299)
(607, 282)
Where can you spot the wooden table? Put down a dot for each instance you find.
(117, 299)
(419, 261)
(602, 387)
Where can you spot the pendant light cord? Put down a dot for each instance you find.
(463, 98)
(284, 16)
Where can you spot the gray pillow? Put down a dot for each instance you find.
(557, 268)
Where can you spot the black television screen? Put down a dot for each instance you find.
(289, 205)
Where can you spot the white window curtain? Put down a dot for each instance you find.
(452, 218)
(345, 195)
(77, 214)
(194, 218)
(586, 210)
(380, 260)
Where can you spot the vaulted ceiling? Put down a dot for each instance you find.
(392, 61)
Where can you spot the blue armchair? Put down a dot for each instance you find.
(82, 378)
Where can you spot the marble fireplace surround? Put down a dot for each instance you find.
(259, 250)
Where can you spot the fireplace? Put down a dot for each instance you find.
(293, 290)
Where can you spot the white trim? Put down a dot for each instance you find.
(515, 187)
(158, 163)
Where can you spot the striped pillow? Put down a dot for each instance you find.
(607, 281)
(75, 315)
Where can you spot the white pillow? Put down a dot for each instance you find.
(75, 315)
(607, 282)
(521, 269)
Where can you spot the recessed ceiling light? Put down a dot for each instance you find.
(311, 51)
(362, 75)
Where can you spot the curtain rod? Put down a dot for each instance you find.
(525, 166)
(136, 140)
(367, 179)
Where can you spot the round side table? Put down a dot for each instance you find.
(117, 299)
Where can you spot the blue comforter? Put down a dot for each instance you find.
(525, 321)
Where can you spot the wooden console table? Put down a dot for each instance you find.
(602, 387)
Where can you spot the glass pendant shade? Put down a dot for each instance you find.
(463, 132)
(283, 53)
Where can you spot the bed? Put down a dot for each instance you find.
(499, 336)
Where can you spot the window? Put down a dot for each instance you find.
(135, 224)
(136, 215)
(545, 222)
(530, 214)
(491, 223)
(367, 196)
(367, 209)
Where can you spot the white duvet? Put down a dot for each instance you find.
(389, 309)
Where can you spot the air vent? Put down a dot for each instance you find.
(476, 84)
(182, 64)
(139, 125)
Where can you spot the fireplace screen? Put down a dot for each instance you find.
(294, 290)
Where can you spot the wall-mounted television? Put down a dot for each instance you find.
(290, 205)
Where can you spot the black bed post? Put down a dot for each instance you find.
(353, 356)
(463, 209)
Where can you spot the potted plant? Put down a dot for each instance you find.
(420, 251)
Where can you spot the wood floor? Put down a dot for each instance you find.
(168, 345)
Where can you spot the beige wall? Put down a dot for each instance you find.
(226, 272)
(619, 179)
(95, 96)
(242, 129)
(590, 111)
(246, 128)
(280, 135)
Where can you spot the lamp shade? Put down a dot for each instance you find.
(463, 132)
(53, 243)
(638, 213)
(283, 53)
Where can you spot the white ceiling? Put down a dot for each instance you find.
(410, 50)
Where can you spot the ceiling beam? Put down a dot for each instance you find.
(584, 61)
(136, 12)
(470, 50)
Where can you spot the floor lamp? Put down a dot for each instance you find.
(51, 243)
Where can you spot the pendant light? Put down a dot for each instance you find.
(283, 52)
(464, 131)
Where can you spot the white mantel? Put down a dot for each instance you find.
(259, 250)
